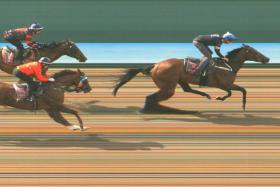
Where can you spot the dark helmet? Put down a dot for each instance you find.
(45, 60)
(36, 27)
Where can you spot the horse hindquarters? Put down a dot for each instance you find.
(166, 74)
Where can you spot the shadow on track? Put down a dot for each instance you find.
(71, 141)
(93, 108)
(228, 118)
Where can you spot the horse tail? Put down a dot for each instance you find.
(130, 74)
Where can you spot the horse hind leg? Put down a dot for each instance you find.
(152, 101)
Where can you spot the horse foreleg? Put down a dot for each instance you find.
(56, 116)
(65, 109)
(244, 93)
(224, 97)
(186, 87)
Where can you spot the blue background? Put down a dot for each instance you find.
(155, 52)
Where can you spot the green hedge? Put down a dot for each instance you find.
(145, 20)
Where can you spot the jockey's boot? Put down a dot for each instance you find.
(201, 67)
(31, 93)
(19, 56)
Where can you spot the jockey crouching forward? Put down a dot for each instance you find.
(16, 36)
(26, 72)
(202, 42)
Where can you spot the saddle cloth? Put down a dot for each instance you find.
(9, 54)
(191, 64)
(21, 90)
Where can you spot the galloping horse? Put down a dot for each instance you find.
(52, 98)
(168, 73)
(52, 50)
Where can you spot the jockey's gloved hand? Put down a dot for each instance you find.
(38, 45)
(41, 45)
(51, 79)
(34, 45)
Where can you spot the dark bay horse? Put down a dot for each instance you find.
(52, 98)
(168, 73)
(52, 50)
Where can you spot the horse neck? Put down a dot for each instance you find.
(53, 53)
(236, 62)
(66, 80)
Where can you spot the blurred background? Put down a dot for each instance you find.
(111, 31)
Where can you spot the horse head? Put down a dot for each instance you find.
(253, 55)
(72, 50)
(73, 80)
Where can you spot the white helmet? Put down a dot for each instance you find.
(45, 60)
(229, 36)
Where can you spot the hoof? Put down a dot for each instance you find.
(85, 128)
(220, 99)
(208, 97)
(74, 127)
(146, 111)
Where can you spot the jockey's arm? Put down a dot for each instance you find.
(40, 76)
(28, 40)
(218, 52)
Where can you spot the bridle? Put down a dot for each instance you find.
(81, 83)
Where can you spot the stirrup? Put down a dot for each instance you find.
(30, 98)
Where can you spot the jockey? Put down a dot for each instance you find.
(202, 42)
(16, 36)
(26, 72)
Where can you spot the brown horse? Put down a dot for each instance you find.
(168, 73)
(52, 98)
(53, 51)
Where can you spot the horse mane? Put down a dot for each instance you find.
(234, 52)
(63, 73)
(54, 44)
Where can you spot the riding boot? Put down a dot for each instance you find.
(30, 95)
(19, 56)
(201, 67)
(31, 92)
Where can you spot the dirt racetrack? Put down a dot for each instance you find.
(219, 146)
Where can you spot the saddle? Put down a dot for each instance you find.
(9, 54)
(192, 63)
(22, 90)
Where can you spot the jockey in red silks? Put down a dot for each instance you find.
(26, 72)
(16, 36)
